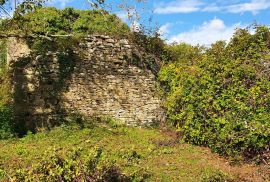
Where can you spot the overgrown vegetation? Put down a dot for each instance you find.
(219, 96)
(6, 110)
(216, 176)
(103, 150)
(52, 21)
(54, 167)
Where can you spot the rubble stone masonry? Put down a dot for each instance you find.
(105, 77)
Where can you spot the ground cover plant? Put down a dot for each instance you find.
(108, 150)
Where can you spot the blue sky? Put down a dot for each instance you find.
(193, 21)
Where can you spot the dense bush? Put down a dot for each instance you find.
(6, 122)
(219, 96)
(72, 167)
(51, 21)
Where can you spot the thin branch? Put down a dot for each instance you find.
(68, 35)
(48, 37)
(6, 174)
(5, 11)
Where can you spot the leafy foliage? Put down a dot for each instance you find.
(140, 154)
(6, 122)
(216, 176)
(2, 2)
(28, 6)
(51, 21)
(72, 168)
(219, 97)
(3, 57)
(20, 7)
(6, 110)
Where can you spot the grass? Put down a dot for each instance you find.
(135, 150)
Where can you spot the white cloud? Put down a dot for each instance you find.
(212, 8)
(128, 16)
(164, 29)
(188, 6)
(122, 15)
(206, 34)
(178, 6)
(254, 6)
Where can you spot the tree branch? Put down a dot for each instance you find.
(48, 37)
(5, 11)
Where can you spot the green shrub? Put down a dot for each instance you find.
(52, 21)
(216, 176)
(6, 111)
(6, 122)
(3, 57)
(219, 97)
(55, 167)
(2, 173)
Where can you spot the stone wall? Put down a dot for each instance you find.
(104, 77)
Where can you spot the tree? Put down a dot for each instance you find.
(19, 7)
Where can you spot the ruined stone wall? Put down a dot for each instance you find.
(105, 77)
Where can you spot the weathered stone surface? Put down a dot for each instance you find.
(104, 82)
(16, 48)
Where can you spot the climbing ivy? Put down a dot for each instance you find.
(6, 108)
